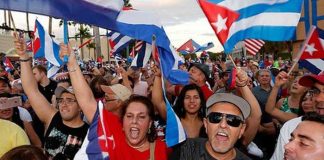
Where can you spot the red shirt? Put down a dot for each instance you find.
(119, 149)
(207, 92)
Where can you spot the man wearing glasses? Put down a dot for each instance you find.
(225, 124)
(316, 85)
(64, 128)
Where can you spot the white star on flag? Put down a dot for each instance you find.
(36, 35)
(220, 24)
(187, 49)
(310, 48)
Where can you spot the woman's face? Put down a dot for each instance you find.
(296, 88)
(6, 113)
(308, 103)
(136, 123)
(192, 102)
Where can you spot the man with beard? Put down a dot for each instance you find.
(225, 124)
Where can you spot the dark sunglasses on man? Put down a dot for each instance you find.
(231, 120)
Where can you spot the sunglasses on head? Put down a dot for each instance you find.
(232, 120)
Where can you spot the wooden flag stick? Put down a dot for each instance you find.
(292, 67)
(13, 22)
(232, 60)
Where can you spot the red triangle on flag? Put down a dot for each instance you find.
(312, 48)
(220, 18)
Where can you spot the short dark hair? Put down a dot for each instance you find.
(40, 68)
(151, 136)
(25, 152)
(314, 117)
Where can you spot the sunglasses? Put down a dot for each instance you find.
(232, 120)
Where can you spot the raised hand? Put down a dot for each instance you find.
(241, 77)
(66, 50)
(281, 79)
(20, 45)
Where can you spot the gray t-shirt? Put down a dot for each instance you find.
(194, 149)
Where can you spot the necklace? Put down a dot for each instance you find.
(138, 146)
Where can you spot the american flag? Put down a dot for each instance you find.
(253, 45)
(137, 47)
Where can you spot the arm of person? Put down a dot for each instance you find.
(33, 137)
(253, 121)
(157, 95)
(39, 103)
(271, 105)
(83, 93)
(267, 128)
(125, 75)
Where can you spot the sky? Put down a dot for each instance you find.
(182, 20)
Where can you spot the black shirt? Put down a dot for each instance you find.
(61, 141)
(194, 149)
(48, 90)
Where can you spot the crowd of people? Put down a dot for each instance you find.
(117, 111)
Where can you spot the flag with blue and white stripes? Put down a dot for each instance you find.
(236, 20)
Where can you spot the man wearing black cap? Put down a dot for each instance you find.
(316, 85)
(225, 124)
(199, 75)
(65, 130)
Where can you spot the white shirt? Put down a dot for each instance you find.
(284, 137)
(24, 115)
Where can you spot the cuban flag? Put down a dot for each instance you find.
(142, 26)
(7, 64)
(188, 47)
(234, 21)
(52, 70)
(101, 13)
(45, 46)
(143, 55)
(312, 52)
(117, 42)
(205, 47)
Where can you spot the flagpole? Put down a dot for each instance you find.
(301, 50)
(66, 38)
(13, 22)
(232, 60)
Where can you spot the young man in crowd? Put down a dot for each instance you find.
(65, 130)
(316, 83)
(306, 142)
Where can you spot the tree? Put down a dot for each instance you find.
(274, 48)
(90, 46)
(83, 33)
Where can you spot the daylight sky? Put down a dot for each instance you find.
(182, 20)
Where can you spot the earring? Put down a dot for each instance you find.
(149, 131)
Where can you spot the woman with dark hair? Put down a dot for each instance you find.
(126, 138)
(22, 118)
(190, 108)
(141, 101)
(306, 103)
(286, 108)
(25, 152)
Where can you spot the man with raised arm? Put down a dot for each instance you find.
(65, 130)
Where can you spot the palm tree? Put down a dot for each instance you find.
(83, 33)
(90, 46)
(97, 41)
